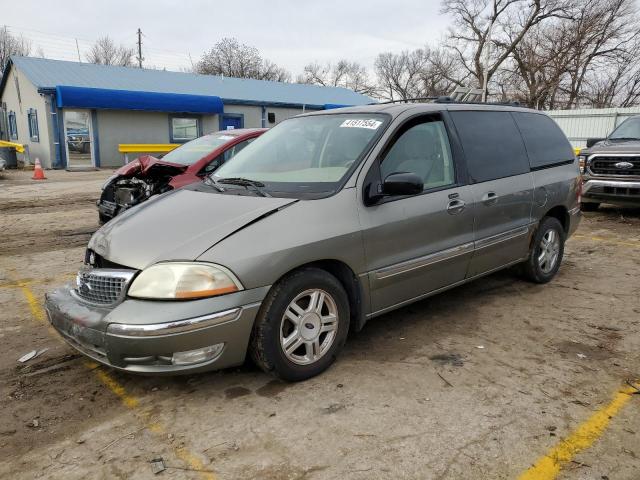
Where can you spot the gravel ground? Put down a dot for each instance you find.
(477, 382)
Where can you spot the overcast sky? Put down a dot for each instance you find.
(288, 32)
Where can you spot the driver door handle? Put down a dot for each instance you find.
(490, 198)
(455, 206)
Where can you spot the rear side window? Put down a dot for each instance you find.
(492, 144)
(545, 142)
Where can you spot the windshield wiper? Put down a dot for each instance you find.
(628, 139)
(245, 182)
(209, 180)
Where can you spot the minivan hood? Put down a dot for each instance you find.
(178, 225)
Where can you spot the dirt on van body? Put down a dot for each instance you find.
(477, 382)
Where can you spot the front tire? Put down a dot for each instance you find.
(302, 325)
(546, 252)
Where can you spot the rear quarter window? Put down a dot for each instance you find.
(545, 142)
(492, 144)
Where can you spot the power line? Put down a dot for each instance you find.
(61, 47)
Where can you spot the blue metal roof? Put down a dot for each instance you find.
(49, 74)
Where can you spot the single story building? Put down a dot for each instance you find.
(73, 114)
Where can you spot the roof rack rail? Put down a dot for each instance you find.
(446, 99)
(405, 100)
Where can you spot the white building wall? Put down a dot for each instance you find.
(253, 114)
(579, 125)
(125, 126)
(20, 104)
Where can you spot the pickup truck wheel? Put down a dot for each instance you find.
(589, 206)
(302, 325)
(546, 252)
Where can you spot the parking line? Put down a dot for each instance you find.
(119, 390)
(549, 466)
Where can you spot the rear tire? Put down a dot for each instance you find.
(546, 252)
(301, 326)
(589, 207)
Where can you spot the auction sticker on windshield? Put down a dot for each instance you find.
(361, 123)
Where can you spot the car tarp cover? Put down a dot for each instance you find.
(101, 98)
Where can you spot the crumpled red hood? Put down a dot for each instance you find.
(143, 164)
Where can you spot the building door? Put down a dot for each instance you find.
(232, 122)
(78, 136)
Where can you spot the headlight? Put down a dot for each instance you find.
(582, 162)
(179, 280)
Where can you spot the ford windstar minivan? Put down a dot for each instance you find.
(325, 221)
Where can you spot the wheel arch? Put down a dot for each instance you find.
(349, 281)
(561, 213)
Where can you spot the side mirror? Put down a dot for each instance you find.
(402, 183)
(592, 141)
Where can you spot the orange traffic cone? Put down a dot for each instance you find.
(38, 172)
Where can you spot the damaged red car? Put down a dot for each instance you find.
(147, 176)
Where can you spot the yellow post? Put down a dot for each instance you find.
(18, 146)
(127, 148)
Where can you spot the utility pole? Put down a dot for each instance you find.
(140, 58)
(78, 50)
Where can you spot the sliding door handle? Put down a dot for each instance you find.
(455, 206)
(490, 198)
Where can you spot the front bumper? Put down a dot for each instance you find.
(613, 191)
(141, 336)
(575, 215)
(107, 209)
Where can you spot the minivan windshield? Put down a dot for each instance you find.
(308, 155)
(192, 151)
(628, 130)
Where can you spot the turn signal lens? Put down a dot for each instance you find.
(582, 163)
(175, 281)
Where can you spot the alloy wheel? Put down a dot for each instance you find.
(549, 250)
(309, 326)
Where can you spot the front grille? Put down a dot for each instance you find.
(606, 165)
(103, 286)
(617, 191)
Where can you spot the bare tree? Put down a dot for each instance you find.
(590, 59)
(231, 58)
(105, 52)
(422, 72)
(603, 32)
(343, 73)
(496, 25)
(399, 74)
(12, 45)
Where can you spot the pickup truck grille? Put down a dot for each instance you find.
(103, 286)
(618, 166)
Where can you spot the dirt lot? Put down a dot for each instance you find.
(475, 383)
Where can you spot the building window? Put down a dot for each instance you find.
(13, 126)
(32, 119)
(183, 129)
